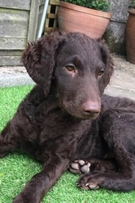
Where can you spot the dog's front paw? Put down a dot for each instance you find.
(80, 166)
(90, 181)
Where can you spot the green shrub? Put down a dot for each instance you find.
(102, 5)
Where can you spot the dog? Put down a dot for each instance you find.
(66, 122)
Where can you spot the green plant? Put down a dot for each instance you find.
(133, 3)
(102, 5)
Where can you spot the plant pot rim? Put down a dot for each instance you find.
(132, 11)
(85, 10)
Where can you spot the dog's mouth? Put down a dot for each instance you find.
(91, 116)
(80, 113)
(83, 116)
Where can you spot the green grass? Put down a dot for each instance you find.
(16, 169)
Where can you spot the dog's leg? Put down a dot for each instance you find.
(118, 181)
(56, 155)
(8, 142)
(118, 129)
(43, 181)
(85, 166)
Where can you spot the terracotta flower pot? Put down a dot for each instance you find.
(74, 18)
(130, 36)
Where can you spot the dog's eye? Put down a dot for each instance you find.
(70, 68)
(100, 73)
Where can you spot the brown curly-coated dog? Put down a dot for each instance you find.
(65, 122)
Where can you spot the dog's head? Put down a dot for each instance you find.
(80, 66)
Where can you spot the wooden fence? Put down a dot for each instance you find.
(19, 22)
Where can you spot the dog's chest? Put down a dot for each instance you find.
(59, 123)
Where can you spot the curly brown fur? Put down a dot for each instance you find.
(65, 117)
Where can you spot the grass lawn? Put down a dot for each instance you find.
(16, 169)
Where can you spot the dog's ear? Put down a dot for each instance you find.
(39, 59)
(107, 60)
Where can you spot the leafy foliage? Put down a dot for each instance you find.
(133, 3)
(102, 5)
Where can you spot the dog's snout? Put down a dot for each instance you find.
(91, 108)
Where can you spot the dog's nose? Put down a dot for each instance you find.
(91, 108)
